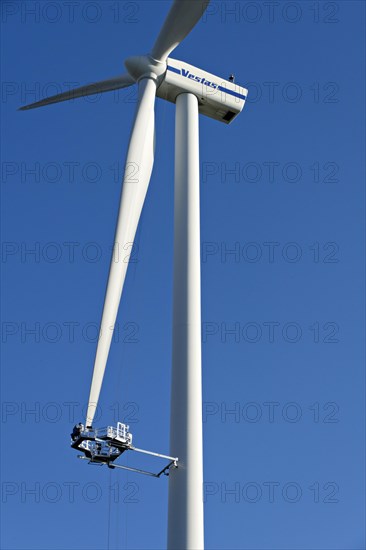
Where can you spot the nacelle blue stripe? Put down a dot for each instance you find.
(174, 70)
(221, 88)
(231, 92)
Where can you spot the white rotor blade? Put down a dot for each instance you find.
(183, 16)
(90, 89)
(139, 164)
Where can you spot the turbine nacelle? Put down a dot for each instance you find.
(218, 98)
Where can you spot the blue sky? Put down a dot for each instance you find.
(282, 231)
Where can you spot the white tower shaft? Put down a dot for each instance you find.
(185, 521)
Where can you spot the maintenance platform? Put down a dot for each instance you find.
(104, 445)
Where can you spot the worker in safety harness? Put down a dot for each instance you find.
(76, 431)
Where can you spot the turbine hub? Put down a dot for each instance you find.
(143, 66)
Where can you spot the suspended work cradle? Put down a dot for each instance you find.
(103, 446)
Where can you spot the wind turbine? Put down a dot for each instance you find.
(193, 91)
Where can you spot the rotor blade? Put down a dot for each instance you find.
(90, 89)
(139, 164)
(183, 16)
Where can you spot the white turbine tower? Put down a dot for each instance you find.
(194, 91)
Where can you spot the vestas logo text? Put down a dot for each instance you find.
(200, 79)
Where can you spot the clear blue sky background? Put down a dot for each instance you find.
(297, 474)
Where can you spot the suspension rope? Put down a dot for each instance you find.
(109, 508)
